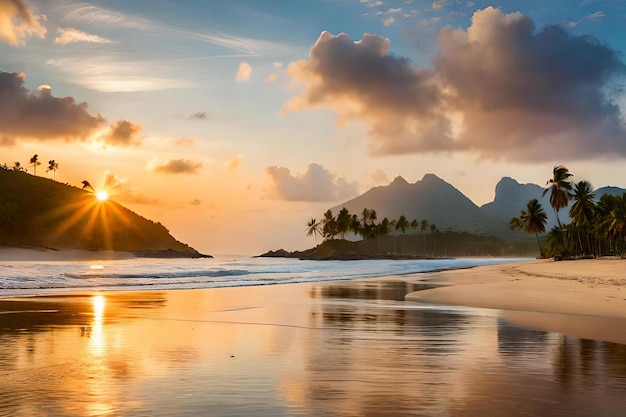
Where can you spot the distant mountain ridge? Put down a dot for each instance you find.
(40, 212)
(440, 203)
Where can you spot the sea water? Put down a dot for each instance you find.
(48, 277)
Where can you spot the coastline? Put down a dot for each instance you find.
(583, 298)
(46, 254)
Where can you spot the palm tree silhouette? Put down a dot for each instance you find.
(583, 209)
(53, 166)
(313, 228)
(34, 160)
(532, 220)
(88, 186)
(560, 187)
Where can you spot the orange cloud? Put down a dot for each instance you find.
(244, 72)
(316, 183)
(234, 163)
(18, 21)
(500, 89)
(177, 166)
(122, 133)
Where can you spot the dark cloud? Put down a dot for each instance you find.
(178, 166)
(315, 184)
(41, 116)
(501, 89)
(122, 133)
(530, 95)
(360, 80)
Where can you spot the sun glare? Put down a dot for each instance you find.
(102, 195)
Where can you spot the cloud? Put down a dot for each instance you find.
(201, 115)
(362, 81)
(316, 183)
(380, 177)
(114, 72)
(120, 189)
(122, 133)
(18, 21)
(500, 89)
(388, 21)
(244, 72)
(176, 166)
(529, 95)
(41, 116)
(272, 78)
(71, 35)
(185, 142)
(234, 163)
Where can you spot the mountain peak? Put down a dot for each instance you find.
(431, 177)
(399, 181)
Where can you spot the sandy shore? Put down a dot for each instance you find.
(584, 298)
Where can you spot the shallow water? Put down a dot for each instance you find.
(349, 348)
(53, 277)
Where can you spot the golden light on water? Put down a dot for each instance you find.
(97, 341)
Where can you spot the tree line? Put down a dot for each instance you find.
(597, 227)
(365, 225)
(34, 161)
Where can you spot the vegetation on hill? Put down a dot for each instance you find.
(597, 227)
(40, 212)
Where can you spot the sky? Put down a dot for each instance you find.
(235, 122)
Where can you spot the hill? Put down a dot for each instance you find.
(39, 212)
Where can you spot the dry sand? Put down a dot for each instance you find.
(584, 298)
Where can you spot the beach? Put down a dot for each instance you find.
(592, 290)
(492, 340)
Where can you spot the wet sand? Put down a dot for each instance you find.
(584, 298)
(340, 348)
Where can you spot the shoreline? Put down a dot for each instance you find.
(48, 254)
(541, 294)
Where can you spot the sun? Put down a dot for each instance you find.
(102, 196)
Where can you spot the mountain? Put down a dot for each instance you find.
(441, 204)
(39, 212)
(431, 198)
(511, 197)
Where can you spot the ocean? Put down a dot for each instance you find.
(52, 277)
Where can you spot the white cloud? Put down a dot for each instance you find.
(70, 35)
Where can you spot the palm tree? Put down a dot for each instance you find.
(35, 162)
(560, 187)
(17, 166)
(313, 228)
(532, 220)
(402, 224)
(329, 225)
(583, 209)
(343, 222)
(433, 231)
(424, 228)
(53, 166)
(87, 185)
